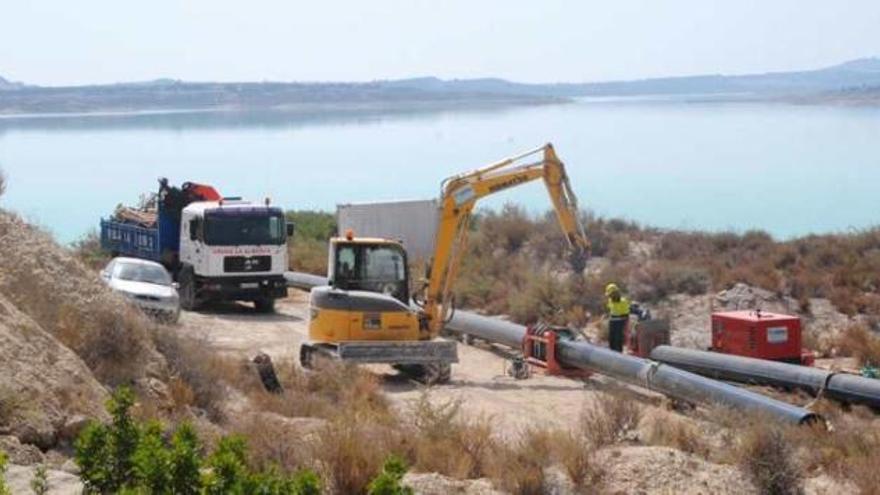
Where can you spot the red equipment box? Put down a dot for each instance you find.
(759, 335)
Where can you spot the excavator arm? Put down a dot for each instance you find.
(458, 198)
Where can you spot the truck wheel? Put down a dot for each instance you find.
(187, 291)
(265, 305)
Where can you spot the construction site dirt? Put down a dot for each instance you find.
(479, 379)
(482, 386)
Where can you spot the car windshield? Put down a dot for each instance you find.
(242, 229)
(140, 272)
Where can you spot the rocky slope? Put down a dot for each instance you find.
(68, 300)
(46, 391)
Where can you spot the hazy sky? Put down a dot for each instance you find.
(90, 41)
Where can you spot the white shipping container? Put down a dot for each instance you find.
(413, 222)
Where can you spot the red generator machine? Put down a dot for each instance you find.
(760, 335)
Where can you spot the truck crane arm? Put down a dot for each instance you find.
(458, 198)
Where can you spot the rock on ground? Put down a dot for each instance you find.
(46, 391)
(661, 470)
(19, 453)
(18, 478)
(437, 484)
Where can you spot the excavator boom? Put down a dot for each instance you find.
(459, 196)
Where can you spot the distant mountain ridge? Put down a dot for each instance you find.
(855, 73)
(856, 81)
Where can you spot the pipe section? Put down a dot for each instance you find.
(662, 378)
(839, 386)
(304, 281)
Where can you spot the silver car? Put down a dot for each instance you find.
(145, 283)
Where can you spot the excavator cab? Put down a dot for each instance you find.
(372, 265)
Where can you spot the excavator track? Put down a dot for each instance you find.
(428, 362)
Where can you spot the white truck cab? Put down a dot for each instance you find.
(233, 250)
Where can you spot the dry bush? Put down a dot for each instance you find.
(88, 250)
(113, 342)
(842, 451)
(10, 404)
(574, 451)
(198, 375)
(349, 451)
(510, 228)
(865, 474)
(2, 182)
(669, 431)
(664, 279)
(518, 466)
(511, 252)
(445, 441)
(273, 444)
(330, 390)
(308, 255)
(767, 456)
(609, 418)
(858, 341)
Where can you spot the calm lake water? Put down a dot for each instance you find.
(790, 170)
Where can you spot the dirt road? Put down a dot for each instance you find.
(479, 381)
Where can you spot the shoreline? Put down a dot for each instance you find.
(451, 105)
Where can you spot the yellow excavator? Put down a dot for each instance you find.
(366, 313)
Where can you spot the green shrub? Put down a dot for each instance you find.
(40, 481)
(228, 466)
(306, 482)
(308, 250)
(91, 456)
(388, 481)
(105, 452)
(312, 224)
(152, 460)
(184, 461)
(4, 490)
(127, 457)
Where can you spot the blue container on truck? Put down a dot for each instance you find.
(126, 239)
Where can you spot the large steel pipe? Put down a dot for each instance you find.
(304, 281)
(662, 378)
(839, 386)
(489, 329)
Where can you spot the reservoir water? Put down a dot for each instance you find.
(790, 170)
